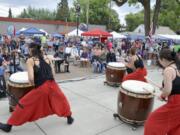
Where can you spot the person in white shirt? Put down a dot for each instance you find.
(74, 54)
(68, 51)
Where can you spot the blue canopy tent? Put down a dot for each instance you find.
(57, 35)
(18, 33)
(135, 37)
(30, 32)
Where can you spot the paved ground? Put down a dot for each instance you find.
(93, 105)
(75, 72)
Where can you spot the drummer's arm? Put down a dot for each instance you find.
(129, 62)
(30, 71)
(168, 78)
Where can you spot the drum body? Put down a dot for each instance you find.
(134, 106)
(115, 73)
(18, 86)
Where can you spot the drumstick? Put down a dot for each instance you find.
(153, 83)
(153, 93)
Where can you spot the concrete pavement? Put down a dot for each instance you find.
(93, 105)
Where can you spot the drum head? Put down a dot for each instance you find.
(138, 87)
(116, 64)
(19, 77)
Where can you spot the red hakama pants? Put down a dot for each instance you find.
(166, 119)
(40, 102)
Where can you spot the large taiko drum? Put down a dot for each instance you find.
(115, 72)
(135, 101)
(18, 85)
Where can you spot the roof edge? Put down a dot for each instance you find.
(27, 20)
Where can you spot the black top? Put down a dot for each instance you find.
(60, 55)
(176, 84)
(110, 57)
(42, 72)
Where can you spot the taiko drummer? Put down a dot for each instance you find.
(166, 119)
(45, 99)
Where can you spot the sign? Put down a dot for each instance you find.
(11, 30)
(83, 27)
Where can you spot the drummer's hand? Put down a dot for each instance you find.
(31, 82)
(161, 98)
(161, 88)
(126, 60)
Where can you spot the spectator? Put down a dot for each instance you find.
(74, 54)
(111, 57)
(60, 54)
(3, 67)
(14, 65)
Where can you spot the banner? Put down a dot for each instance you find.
(11, 30)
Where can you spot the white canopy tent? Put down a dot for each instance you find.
(42, 30)
(74, 32)
(117, 35)
(173, 37)
(22, 29)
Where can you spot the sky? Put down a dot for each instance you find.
(17, 7)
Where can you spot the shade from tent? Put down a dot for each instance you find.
(96, 32)
(74, 32)
(117, 35)
(32, 31)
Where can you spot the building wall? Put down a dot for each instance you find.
(50, 28)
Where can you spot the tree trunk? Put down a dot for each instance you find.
(147, 16)
(155, 16)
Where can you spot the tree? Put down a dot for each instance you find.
(98, 12)
(134, 20)
(156, 15)
(62, 11)
(147, 12)
(37, 14)
(170, 14)
(10, 13)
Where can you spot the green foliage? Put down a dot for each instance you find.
(170, 14)
(37, 14)
(62, 11)
(99, 13)
(132, 2)
(134, 20)
(146, 5)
